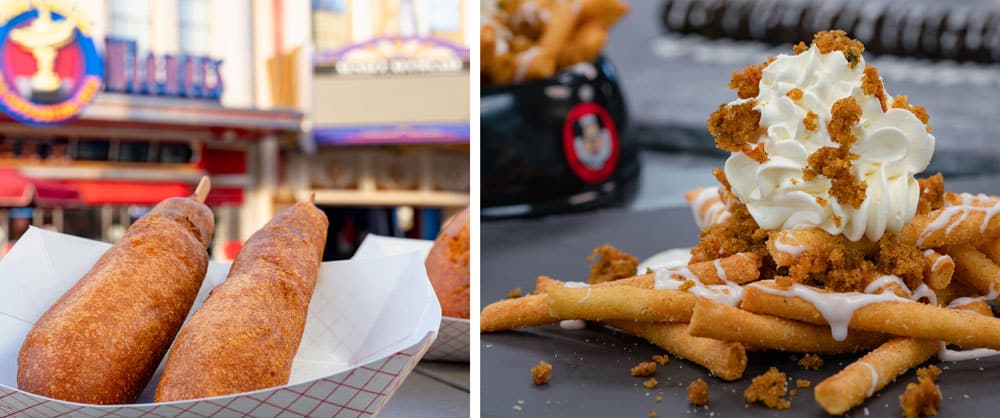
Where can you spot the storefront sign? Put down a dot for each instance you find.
(49, 67)
(160, 75)
(396, 55)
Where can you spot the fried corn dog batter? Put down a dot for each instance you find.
(246, 334)
(102, 340)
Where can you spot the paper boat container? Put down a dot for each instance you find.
(369, 323)
(452, 343)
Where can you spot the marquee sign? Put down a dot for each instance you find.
(50, 69)
(167, 75)
(395, 55)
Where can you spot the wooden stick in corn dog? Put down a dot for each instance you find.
(725, 359)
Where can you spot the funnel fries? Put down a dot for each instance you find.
(975, 268)
(907, 319)
(527, 311)
(727, 360)
(620, 302)
(772, 333)
(858, 381)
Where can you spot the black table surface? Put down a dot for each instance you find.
(590, 375)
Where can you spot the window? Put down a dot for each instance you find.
(133, 152)
(331, 24)
(442, 15)
(195, 32)
(336, 6)
(130, 19)
(175, 153)
(92, 150)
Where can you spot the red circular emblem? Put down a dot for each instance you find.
(590, 142)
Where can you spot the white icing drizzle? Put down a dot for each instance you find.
(836, 308)
(729, 293)
(675, 257)
(524, 61)
(871, 389)
(713, 214)
(937, 261)
(719, 271)
(575, 285)
(573, 324)
(793, 249)
(922, 291)
(881, 282)
(945, 354)
(587, 296)
(948, 220)
(994, 293)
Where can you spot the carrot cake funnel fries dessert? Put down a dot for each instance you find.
(819, 239)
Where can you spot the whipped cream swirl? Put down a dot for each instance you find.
(892, 147)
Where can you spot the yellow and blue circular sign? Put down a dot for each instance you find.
(50, 69)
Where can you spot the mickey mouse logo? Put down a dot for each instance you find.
(590, 142)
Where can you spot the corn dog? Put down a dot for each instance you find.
(102, 340)
(245, 335)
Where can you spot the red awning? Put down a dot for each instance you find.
(17, 190)
(124, 192)
(127, 192)
(224, 195)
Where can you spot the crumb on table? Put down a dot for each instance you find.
(661, 359)
(922, 399)
(611, 264)
(650, 383)
(803, 383)
(652, 414)
(698, 392)
(514, 293)
(541, 373)
(644, 369)
(810, 362)
(768, 389)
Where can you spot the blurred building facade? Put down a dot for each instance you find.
(275, 99)
(185, 92)
(388, 117)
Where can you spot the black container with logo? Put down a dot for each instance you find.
(556, 145)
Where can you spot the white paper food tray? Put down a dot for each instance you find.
(452, 343)
(370, 321)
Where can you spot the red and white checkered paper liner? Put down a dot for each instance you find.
(370, 322)
(452, 343)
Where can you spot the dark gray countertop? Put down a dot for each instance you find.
(434, 390)
(590, 374)
(673, 82)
